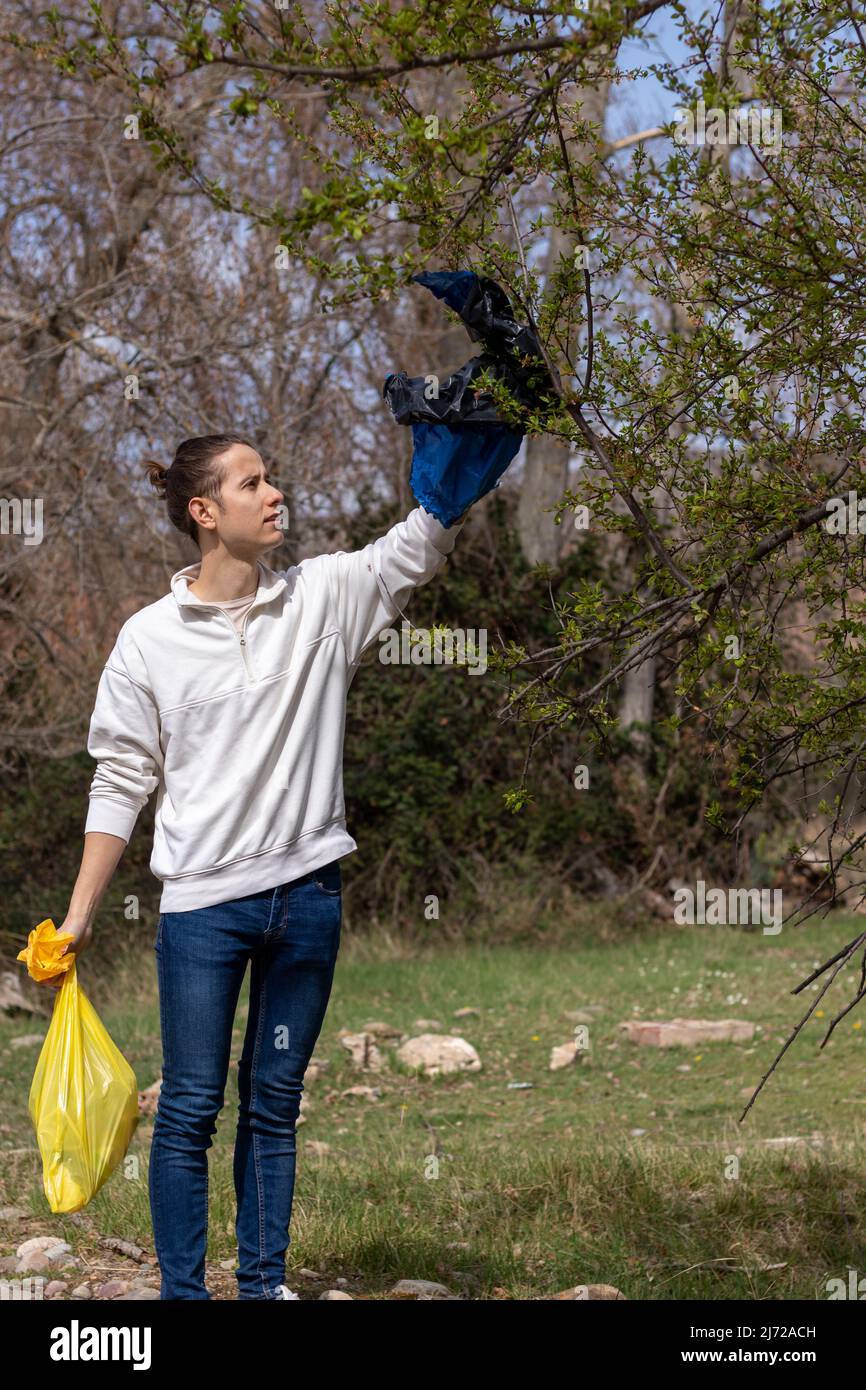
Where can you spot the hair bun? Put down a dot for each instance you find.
(157, 475)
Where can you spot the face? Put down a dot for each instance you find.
(247, 524)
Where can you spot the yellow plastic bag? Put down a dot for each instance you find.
(84, 1094)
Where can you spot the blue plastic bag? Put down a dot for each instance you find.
(454, 465)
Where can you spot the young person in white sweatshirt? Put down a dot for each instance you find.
(228, 698)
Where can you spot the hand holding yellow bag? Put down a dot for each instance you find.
(84, 1094)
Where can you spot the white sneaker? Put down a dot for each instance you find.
(284, 1292)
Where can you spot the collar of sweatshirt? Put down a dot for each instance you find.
(270, 584)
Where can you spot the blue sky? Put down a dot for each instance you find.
(644, 102)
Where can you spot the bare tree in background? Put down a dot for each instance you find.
(132, 314)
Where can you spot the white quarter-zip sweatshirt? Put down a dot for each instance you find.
(241, 732)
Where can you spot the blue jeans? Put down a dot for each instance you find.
(292, 936)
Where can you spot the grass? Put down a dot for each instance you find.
(502, 1193)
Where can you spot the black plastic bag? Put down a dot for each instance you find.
(461, 444)
(489, 319)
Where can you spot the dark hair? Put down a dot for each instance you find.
(195, 471)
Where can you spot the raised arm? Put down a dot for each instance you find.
(371, 585)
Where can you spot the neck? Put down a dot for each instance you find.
(223, 576)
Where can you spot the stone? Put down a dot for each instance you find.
(42, 1253)
(336, 1294)
(383, 1030)
(12, 996)
(139, 1293)
(814, 1140)
(363, 1051)
(43, 1245)
(113, 1288)
(426, 1025)
(12, 1213)
(436, 1054)
(565, 1055)
(123, 1247)
(82, 1291)
(56, 1286)
(585, 1292)
(468, 1012)
(149, 1098)
(27, 1040)
(687, 1032)
(420, 1288)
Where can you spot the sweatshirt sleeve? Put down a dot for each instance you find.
(370, 586)
(125, 740)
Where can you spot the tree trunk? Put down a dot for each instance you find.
(546, 460)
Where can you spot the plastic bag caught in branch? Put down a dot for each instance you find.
(462, 446)
(486, 312)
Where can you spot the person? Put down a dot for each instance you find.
(227, 697)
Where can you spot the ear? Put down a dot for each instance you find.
(198, 510)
